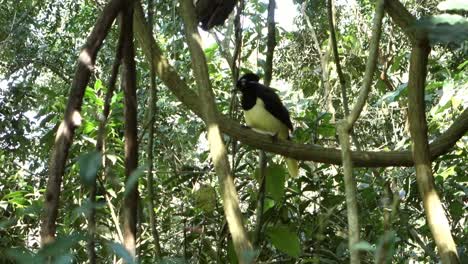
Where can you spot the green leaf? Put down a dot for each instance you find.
(393, 96)
(231, 253)
(89, 165)
(450, 171)
(453, 5)
(60, 246)
(327, 130)
(365, 246)
(275, 179)
(20, 255)
(133, 179)
(285, 240)
(97, 85)
(268, 204)
(120, 251)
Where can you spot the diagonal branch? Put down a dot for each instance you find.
(218, 150)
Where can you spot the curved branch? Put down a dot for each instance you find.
(287, 148)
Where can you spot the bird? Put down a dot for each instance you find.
(211, 13)
(264, 112)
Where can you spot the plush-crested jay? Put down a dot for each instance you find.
(264, 112)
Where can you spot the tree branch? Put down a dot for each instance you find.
(217, 148)
(130, 200)
(435, 214)
(370, 66)
(99, 147)
(336, 57)
(152, 113)
(345, 127)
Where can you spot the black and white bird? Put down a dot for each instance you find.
(264, 112)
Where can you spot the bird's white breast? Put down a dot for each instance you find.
(260, 119)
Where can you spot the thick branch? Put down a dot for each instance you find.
(99, 147)
(287, 148)
(436, 218)
(152, 112)
(72, 118)
(130, 203)
(217, 148)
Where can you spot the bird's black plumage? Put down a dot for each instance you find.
(212, 13)
(251, 90)
(264, 112)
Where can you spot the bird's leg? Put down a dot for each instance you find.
(246, 127)
(274, 137)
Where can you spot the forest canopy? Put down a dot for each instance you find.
(123, 139)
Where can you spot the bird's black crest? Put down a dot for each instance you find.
(248, 77)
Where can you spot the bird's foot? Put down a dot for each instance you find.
(246, 127)
(274, 137)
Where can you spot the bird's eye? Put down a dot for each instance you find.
(243, 82)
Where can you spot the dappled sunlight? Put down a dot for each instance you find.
(85, 58)
(217, 147)
(63, 130)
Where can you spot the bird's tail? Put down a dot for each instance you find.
(293, 167)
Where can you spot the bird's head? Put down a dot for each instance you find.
(246, 78)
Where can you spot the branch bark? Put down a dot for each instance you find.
(336, 57)
(345, 127)
(436, 218)
(287, 148)
(152, 112)
(72, 119)
(262, 157)
(271, 42)
(217, 148)
(99, 147)
(130, 203)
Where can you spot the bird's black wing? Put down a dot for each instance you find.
(273, 103)
(212, 13)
